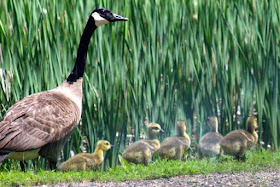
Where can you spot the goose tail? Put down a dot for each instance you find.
(3, 156)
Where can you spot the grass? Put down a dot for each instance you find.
(256, 161)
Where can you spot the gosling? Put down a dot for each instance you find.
(87, 161)
(174, 147)
(209, 145)
(237, 142)
(141, 152)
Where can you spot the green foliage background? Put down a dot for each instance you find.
(184, 59)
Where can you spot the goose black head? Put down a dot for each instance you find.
(103, 16)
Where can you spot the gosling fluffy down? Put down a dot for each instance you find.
(237, 142)
(209, 145)
(87, 161)
(141, 152)
(174, 147)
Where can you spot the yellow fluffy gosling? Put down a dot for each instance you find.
(237, 142)
(174, 147)
(209, 145)
(87, 161)
(141, 152)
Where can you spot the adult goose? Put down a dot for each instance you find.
(40, 124)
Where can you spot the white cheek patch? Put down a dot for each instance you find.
(99, 20)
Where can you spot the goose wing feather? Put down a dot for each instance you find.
(36, 120)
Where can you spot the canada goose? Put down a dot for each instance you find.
(237, 142)
(40, 124)
(209, 145)
(174, 147)
(87, 161)
(141, 152)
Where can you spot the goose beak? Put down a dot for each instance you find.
(117, 17)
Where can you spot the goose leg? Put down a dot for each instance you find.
(52, 165)
(147, 158)
(237, 158)
(22, 165)
(178, 154)
(241, 158)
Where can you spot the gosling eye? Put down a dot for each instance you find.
(107, 143)
(155, 128)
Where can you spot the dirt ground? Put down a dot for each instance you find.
(261, 178)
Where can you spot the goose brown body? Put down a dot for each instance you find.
(37, 121)
(175, 147)
(141, 152)
(237, 142)
(209, 145)
(87, 161)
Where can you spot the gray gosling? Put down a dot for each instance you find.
(209, 145)
(87, 161)
(141, 152)
(174, 147)
(237, 142)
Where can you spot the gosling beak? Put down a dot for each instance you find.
(111, 146)
(161, 131)
(117, 17)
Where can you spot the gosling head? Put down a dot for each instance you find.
(181, 127)
(104, 145)
(154, 129)
(213, 123)
(104, 16)
(252, 124)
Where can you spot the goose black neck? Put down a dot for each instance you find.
(80, 64)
